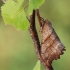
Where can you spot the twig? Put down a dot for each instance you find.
(34, 34)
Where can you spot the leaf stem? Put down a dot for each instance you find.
(26, 6)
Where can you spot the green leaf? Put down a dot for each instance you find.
(34, 4)
(37, 67)
(14, 14)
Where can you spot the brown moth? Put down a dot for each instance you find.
(51, 46)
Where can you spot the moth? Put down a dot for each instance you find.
(51, 46)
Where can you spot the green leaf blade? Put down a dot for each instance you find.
(37, 67)
(34, 4)
(14, 14)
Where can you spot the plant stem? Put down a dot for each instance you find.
(34, 34)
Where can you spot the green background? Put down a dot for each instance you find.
(17, 51)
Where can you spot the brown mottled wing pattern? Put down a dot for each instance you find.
(51, 46)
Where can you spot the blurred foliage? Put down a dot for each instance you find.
(37, 66)
(17, 51)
